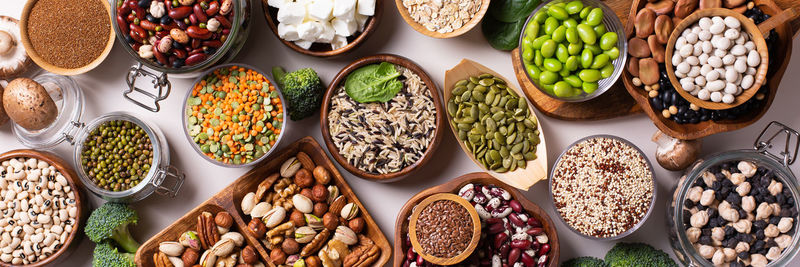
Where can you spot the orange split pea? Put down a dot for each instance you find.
(235, 115)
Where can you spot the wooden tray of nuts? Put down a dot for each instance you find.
(522, 230)
(293, 206)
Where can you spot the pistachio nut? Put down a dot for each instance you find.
(290, 167)
(172, 249)
(229, 261)
(303, 203)
(237, 238)
(177, 262)
(291, 259)
(208, 259)
(274, 217)
(248, 203)
(223, 248)
(346, 235)
(349, 211)
(299, 263)
(314, 222)
(190, 239)
(260, 210)
(333, 192)
(304, 234)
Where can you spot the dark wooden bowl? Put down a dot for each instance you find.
(437, 101)
(401, 223)
(324, 50)
(230, 199)
(72, 178)
(706, 128)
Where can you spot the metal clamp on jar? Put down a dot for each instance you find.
(161, 177)
(739, 207)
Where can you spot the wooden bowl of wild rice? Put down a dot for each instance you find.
(383, 141)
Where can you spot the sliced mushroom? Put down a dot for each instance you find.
(29, 105)
(674, 154)
(13, 58)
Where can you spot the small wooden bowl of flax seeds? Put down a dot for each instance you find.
(444, 229)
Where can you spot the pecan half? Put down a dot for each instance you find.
(264, 186)
(364, 254)
(316, 244)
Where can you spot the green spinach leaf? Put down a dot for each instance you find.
(510, 11)
(502, 35)
(373, 83)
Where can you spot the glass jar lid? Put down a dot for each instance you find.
(68, 98)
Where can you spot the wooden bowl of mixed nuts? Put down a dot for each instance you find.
(442, 21)
(382, 135)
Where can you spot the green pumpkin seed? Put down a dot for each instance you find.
(459, 90)
(486, 82)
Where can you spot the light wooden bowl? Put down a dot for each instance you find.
(324, 50)
(756, 35)
(230, 199)
(72, 179)
(476, 229)
(520, 178)
(421, 29)
(401, 225)
(437, 102)
(26, 42)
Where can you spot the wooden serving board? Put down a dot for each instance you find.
(616, 101)
(230, 198)
(452, 186)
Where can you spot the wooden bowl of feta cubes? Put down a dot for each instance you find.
(322, 28)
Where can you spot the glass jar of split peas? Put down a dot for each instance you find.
(234, 115)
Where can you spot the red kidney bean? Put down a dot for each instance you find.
(410, 253)
(123, 10)
(193, 19)
(515, 205)
(223, 21)
(504, 249)
(195, 59)
(132, 5)
(493, 220)
(499, 239)
(527, 260)
(147, 25)
(545, 248)
(200, 13)
(179, 12)
(121, 23)
(196, 51)
(226, 32)
(521, 244)
(196, 43)
(213, 8)
(496, 228)
(534, 231)
(420, 260)
(513, 256)
(140, 13)
(138, 31)
(162, 34)
(130, 18)
(198, 33)
(135, 36)
(160, 56)
(136, 46)
(534, 222)
(179, 53)
(514, 218)
(406, 263)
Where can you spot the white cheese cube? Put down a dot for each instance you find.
(349, 16)
(278, 3)
(303, 44)
(288, 32)
(338, 42)
(366, 7)
(342, 7)
(361, 20)
(321, 10)
(292, 13)
(309, 31)
(344, 27)
(327, 34)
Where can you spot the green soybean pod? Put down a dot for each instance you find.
(563, 89)
(532, 30)
(594, 48)
(551, 64)
(572, 35)
(607, 71)
(548, 48)
(600, 29)
(570, 23)
(527, 55)
(550, 25)
(574, 49)
(548, 77)
(561, 53)
(589, 75)
(612, 53)
(586, 58)
(608, 40)
(595, 17)
(537, 43)
(539, 17)
(585, 12)
(559, 35)
(587, 34)
(533, 71)
(599, 61)
(574, 81)
(574, 7)
(589, 87)
(572, 63)
(557, 12)
(538, 59)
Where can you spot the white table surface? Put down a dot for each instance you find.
(103, 88)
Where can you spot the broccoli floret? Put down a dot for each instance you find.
(637, 254)
(584, 262)
(111, 221)
(302, 89)
(106, 255)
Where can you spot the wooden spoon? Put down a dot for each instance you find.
(522, 178)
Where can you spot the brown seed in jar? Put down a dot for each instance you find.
(638, 47)
(320, 209)
(179, 36)
(213, 8)
(198, 33)
(656, 48)
(330, 221)
(357, 224)
(661, 7)
(179, 12)
(685, 7)
(644, 22)
(319, 193)
(322, 175)
(303, 178)
(277, 256)
(297, 218)
(663, 28)
(290, 246)
(704, 4)
(444, 229)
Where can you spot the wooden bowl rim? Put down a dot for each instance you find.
(66, 171)
(369, 28)
(26, 42)
(476, 228)
(477, 18)
(747, 25)
(452, 186)
(437, 102)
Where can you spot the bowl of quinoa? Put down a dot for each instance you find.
(603, 187)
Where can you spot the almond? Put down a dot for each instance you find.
(305, 161)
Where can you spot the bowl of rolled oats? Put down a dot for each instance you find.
(442, 19)
(382, 117)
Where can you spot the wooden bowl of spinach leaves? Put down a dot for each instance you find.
(377, 79)
(505, 20)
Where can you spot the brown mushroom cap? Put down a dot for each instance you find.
(28, 104)
(14, 60)
(3, 116)
(674, 154)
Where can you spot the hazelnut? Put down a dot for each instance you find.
(307, 193)
(330, 221)
(319, 193)
(249, 255)
(224, 219)
(357, 224)
(297, 218)
(320, 209)
(313, 261)
(190, 256)
(277, 256)
(303, 178)
(322, 175)
(257, 227)
(290, 246)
